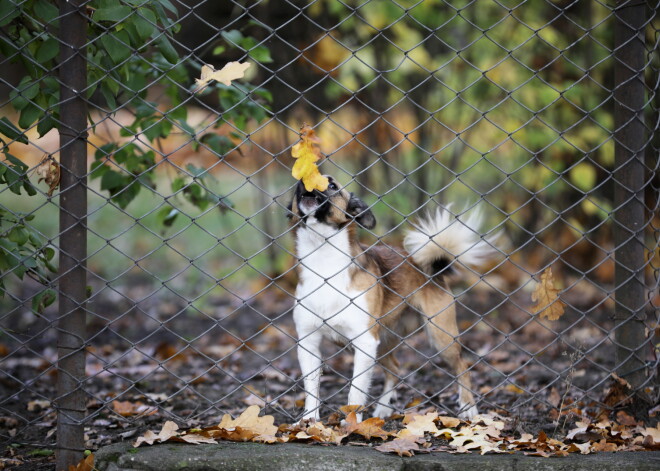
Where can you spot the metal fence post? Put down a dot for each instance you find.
(629, 99)
(73, 236)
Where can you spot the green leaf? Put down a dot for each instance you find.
(47, 50)
(49, 253)
(168, 215)
(167, 50)
(113, 181)
(218, 50)
(43, 299)
(261, 54)
(117, 46)
(144, 23)
(8, 129)
(29, 115)
(46, 124)
(234, 37)
(46, 11)
(18, 235)
(113, 13)
(8, 11)
(29, 88)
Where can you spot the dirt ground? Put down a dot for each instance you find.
(164, 359)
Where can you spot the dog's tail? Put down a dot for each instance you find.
(441, 243)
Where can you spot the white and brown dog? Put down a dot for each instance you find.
(367, 296)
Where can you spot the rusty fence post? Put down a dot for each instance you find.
(629, 221)
(73, 236)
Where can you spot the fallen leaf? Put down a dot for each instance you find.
(654, 433)
(37, 405)
(625, 419)
(128, 408)
(420, 424)
(168, 431)
(231, 71)
(604, 445)
(547, 298)
(404, 445)
(307, 153)
(449, 422)
(196, 439)
(248, 425)
(86, 464)
(369, 428)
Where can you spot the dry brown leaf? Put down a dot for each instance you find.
(604, 445)
(546, 297)
(196, 439)
(49, 172)
(86, 464)
(128, 408)
(420, 424)
(449, 422)
(654, 433)
(405, 445)
(625, 419)
(369, 428)
(248, 425)
(307, 153)
(168, 431)
(231, 71)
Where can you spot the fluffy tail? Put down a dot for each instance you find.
(441, 240)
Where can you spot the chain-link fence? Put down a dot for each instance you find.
(166, 286)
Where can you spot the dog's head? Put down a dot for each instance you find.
(333, 207)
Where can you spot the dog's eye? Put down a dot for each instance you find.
(333, 186)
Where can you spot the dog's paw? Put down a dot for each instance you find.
(468, 412)
(358, 417)
(383, 412)
(310, 417)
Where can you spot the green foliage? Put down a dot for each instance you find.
(507, 100)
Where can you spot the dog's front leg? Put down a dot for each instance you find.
(309, 357)
(366, 348)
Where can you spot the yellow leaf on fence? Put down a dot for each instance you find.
(546, 297)
(307, 153)
(231, 71)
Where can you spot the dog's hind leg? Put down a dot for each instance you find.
(366, 348)
(391, 369)
(442, 330)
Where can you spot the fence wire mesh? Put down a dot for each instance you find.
(542, 116)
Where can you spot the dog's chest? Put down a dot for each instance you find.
(324, 285)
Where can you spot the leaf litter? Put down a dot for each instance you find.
(417, 431)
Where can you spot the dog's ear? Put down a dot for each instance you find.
(361, 212)
(289, 209)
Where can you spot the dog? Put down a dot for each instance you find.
(368, 296)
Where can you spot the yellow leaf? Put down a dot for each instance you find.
(249, 425)
(421, 424)
(307, 153)
(231, 71)
(546, 297)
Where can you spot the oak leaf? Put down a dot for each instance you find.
(231, 71)
(307, 153)
(168, 432)
(420, 424)
(406, 444)
(248, 426)
(546, 297)
(368, 428)
(449, 422)
(86, 464)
